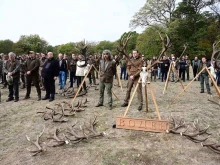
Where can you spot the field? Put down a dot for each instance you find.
(117, 147)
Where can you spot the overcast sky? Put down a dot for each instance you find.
(62, 21)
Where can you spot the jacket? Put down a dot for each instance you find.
(134, 67)
(12, 66)
(201, 66)
(81, 67)
(165, 65)
(72, 65)
(50, 69)
(63, 65)
(182, 64)
(33, 65)
(123, 63)
(107, 71)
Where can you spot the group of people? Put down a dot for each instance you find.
(43, 70)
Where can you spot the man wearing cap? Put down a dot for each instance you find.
(32, 74)
(107, 70)
(134, 67)
(12, 70)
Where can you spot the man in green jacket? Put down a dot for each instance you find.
(107, 72)
(32, 74)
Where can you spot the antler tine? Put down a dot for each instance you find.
(127, 39)
(168, 41)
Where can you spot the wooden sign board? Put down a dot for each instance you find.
(151, 125)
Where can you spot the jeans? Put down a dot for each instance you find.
(204, 78)
(13, 89)
(182, 74)
(159, 73)
(218, 77)
(62, 79)
(123, 71)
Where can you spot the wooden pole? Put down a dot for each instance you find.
(214, 83)
(81, 84)
(167, 80)
(187, 86)
(119, 80)
(154, 100)
(115, 95)
(129, 104)
(178, 77)
(146, 97)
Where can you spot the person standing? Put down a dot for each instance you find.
(123, 65)
(195, 66)
(43, 59)
(97, 61)
(81, 71)
(204, 75)
(107, 72)
(12, 70)
(173, 74)
(32, 75)
(65, 57)
(22, 71)
(4, 82)
(154, 69)
(134, 67)
(49, 73)
(188, 63)
(72, 69)
(91, 74)
(62, 71)
(1, 69)
(164, 68)
(182, 70)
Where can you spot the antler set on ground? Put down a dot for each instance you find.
(73, 136)
(196, 136)
(62, 110)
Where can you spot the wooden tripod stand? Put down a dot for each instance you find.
(152, 125)
(172, 68)
(213, 81)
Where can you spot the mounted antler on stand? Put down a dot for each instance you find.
(214, 53)
(123, 43)
(185, 47)
(165, 47)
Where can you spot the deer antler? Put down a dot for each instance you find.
(36, 143)
(123, 43)
(185, 47)
(165, 47)
(57, 140)
(214, 147)
(215, 50)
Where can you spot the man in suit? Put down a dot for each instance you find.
(107, 72)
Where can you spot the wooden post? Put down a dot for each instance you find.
(129, 104)
(187, 86)
(115, 95)
(154, 100)
(82, 84)
(168, 76)
(119, 80)
(146, 97)
(214, 83)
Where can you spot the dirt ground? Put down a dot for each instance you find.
(117, 147)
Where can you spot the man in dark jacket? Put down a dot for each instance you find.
(182, 70)
(195, 65)
(62, 71)
(123, 66)
(107, 71)
(50, 72)
(72, 69)
(91, 74)
(164, 68)
(32, 74)
(204, 76)
(12, 70)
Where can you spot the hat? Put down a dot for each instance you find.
(9, 79)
